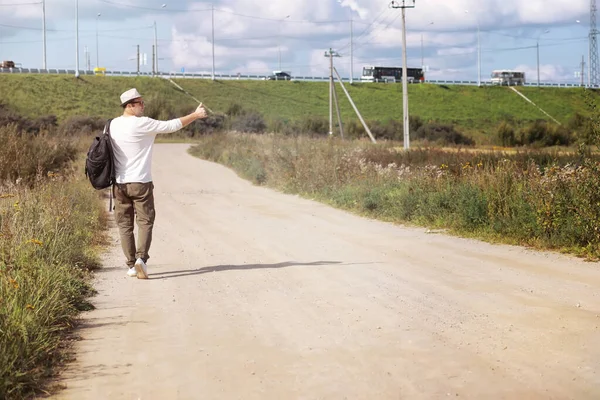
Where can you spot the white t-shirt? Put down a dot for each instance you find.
(132, 141)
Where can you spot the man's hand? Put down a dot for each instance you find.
(201, 112)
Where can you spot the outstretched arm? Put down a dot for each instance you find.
(200, 113)
(150, 125)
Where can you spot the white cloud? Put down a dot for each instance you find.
(251, 33)
(548, 73)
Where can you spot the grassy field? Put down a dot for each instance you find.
(471, 109)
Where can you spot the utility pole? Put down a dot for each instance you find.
(582, 69)
(279, 39)
(594, 60)
(351, 52)
(44, 34)
(478, 54)
(538, 55)
(422, 52)
(354, 106)
(538, 62)
(331, 54)
(153, 57)
(155, 53)
(212, 6)
(97, 51)
(406, 126)
(422, 57)
(478, 50)
(77, 39)
(337, 108)
(138, 59)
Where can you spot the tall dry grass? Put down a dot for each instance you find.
(26, 156)
(544, 199)
(50, 224)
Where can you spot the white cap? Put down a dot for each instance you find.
(130, 95)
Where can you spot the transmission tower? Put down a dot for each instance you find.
(594, 60)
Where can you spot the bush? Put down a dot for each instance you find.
(577, 121)
(540, 134)
(214, 123)
(24, 159)
(252, 122)
(353, 129)
(82, 125)
(442, 134)
(157, 107)
(414, 123)
(234, 110)
(505, 134)
(312, 125)
(391, 129)
(26, 125)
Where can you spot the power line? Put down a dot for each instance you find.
(19, 4)
(40, 40)
(366, 29)
(166, 9)
(380, 31)
(81, 30)
(287, 21)
(161, 9)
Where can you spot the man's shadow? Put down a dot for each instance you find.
(217, 268)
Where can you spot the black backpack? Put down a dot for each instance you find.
(99, 163)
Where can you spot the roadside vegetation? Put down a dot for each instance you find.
(532, 195)
(50, 225)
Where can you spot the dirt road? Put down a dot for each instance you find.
(254, 294)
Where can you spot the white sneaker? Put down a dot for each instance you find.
(132, 272)
(141, 269)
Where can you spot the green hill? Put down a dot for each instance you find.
(472, 109)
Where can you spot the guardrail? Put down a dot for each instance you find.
(185, 75)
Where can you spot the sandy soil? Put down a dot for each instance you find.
(254, 294)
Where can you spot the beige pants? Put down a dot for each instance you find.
(135, 200)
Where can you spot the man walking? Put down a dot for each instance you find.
(132, 138)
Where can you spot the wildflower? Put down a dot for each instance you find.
(16, 206)
(14, 283)
(443, 166)
(30, 307)
(35, 241)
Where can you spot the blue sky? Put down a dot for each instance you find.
(250, 35)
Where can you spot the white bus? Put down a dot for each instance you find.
(391, 74)
(507, 77)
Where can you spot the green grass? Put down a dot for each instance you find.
(470, 108)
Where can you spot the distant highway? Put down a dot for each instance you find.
(183, 75)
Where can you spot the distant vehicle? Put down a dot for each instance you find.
(279, 76)
(507, 77)
(391, 74)
(7, 64)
